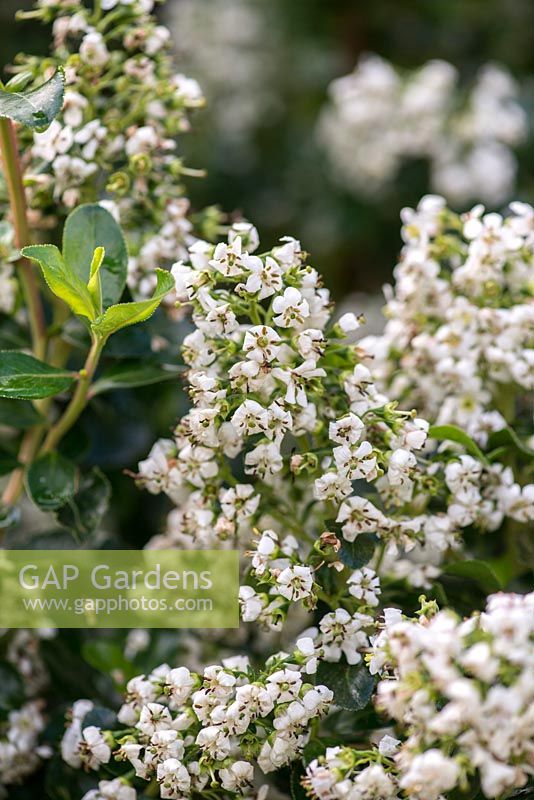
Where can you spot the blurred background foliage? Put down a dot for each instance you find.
(265, 67)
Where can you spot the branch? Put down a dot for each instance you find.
(17, 201)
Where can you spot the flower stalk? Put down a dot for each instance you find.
(78, 401)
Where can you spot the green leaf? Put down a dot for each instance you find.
(8, 462)
(19, 414)
(454, 434)
(295, 782)
(37, 107)
(106, 657)
(61, 280)
(88, 228)
(94, 283)
(100, 716)
(129, 375)
(51, 481)
(358, 553)
(124, 314)
(352, 684)
(478, 571)
(83, 513)
(11, 688)
(24, 377)
(507, 437)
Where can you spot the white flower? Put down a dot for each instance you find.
(291, 308)
(373, 781)
(496, 778)
(359, 515)
(518, 502)
(306, 647)
(251, 604)
(158, 38)
(364, 584)
(265, 276)
(266, 549)
(332, 486)
(430, 774)
(347, 430)
(261, 344)
(56, 140)
(93, 751)
(311, 343)
(284, 685)
(341, 634)
(349, 322)
(227, 258)
(247, 233)
(250, 418)
(154, 717)
(356, 462)
(142, 140)
(238, 776)
(295, 583)
(173, 778)
(239, 502)
(400, 470)
(265, 460)
(179, 684)
(462, 478)
(214, 741)
(74, 105)
(111, 790)
(388, 745)
(93, 49)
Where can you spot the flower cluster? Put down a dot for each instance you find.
(289, 433)
(211, 35)
(186, 730)
(292, 452)
(115, 138)
(379, 117)
(460, 318)
(20, 750)
(461, 695)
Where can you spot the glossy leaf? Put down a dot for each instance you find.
(128, 376)
(478, 571)
(352, 684)
(297, 773)
(61, 280)
(88, 228)
(35, 108)
(50, 481)
(107, 657)
(24, 377)
(84, 511)
(507, 437)
(11, 688)
(18, 414)
(8, 462)
(358, 553)
(454, 434)
(124, 314)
